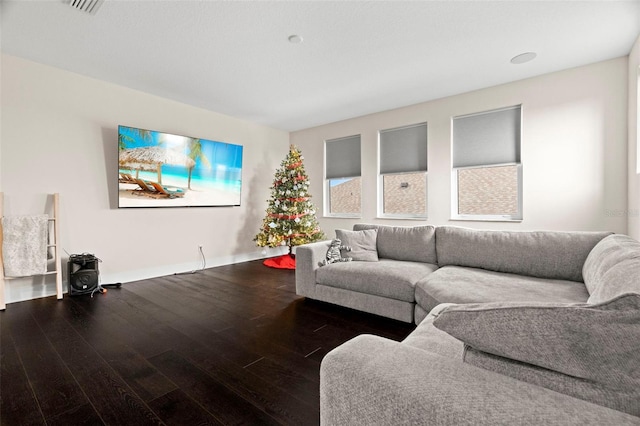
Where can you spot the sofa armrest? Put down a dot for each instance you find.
(308, 256)
(370, 380)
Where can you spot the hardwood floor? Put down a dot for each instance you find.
(227, 345)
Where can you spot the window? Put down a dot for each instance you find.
(403, 172)
(342, 177)
(487, 172)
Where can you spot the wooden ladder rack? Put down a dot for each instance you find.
(55, 246)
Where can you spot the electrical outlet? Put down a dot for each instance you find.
(200, 246)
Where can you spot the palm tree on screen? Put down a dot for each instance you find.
(124, 140)
(195, 153)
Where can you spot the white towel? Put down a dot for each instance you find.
(24, 245)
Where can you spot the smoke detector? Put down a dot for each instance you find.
(88, 6)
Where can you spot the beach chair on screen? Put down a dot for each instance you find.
(145, 189)
(127, 178)
(171, 193)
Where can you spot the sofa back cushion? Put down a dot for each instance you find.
(413, 243)
(595, 343)
(543, 254)
(612, 268)
(625, 399)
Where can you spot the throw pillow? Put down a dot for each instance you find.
(594, 342)
(362, 243)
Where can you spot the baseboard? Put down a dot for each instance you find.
(161, 271)
(19, 290)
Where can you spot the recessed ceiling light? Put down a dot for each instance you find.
(524, 57)
(295, 39)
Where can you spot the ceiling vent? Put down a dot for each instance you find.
(88, 6)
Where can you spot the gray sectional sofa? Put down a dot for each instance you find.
(420, 267)
(513, 327)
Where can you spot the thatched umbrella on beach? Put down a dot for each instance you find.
(152, 158)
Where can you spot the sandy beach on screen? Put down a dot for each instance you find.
(131, 196)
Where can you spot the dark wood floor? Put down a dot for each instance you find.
(228, 345)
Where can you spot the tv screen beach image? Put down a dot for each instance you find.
(159, 169)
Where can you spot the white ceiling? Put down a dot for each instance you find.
(357, 57)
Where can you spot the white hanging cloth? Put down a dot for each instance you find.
(24, 245)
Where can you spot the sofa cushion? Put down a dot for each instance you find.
(362, 244)
(419, 314)
(621, 279)
(606, 394)
(457, 284)
(612, 268)
(429, 338)
(544, 254)
(598, 343)
(394, 279)
(413, 243)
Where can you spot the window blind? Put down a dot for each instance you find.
(404, 149)
(491, 137)
(342, 157)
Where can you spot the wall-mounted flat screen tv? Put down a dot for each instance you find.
(159, 169)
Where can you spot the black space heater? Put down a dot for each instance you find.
(83, 273)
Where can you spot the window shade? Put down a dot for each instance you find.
(404, 150)
(491, 137)
(342, 159)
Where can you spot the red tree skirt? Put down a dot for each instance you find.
(281, 262)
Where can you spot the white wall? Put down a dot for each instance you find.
(633, 211)
(1, 10)
(574, 150)
(59, 134)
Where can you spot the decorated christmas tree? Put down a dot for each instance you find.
(290, 219)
